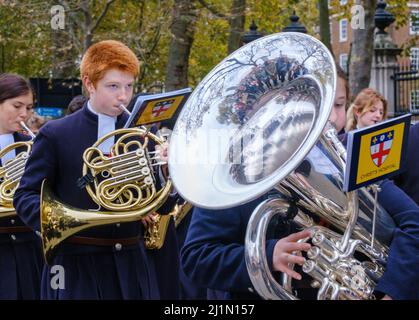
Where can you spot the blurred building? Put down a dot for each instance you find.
(405, 76)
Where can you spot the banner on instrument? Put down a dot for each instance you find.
(376, 152)
(159, 107)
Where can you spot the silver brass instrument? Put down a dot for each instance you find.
(259, 121)
(12, 171)
(121, 182)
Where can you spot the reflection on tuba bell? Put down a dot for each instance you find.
(122, 182)
(11, 172)
(270, 101)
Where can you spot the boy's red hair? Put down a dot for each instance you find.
(106, 55)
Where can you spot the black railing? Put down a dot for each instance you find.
(406, 91)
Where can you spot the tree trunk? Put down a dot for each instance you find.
(62, 55)
(87, 25)
(57, 39)
(362, 48)
(236, 22)
(183, 30)
(324, 24)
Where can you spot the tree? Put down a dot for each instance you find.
(24, 37)
(183, 31)
(149, 37)
(83, 19)
(272, 16)
(235, 19)
(361, 53)
(236, 22)
(324, 23)
(89, 23)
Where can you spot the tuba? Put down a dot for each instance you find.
(257, 123)
(12, 171)
(122, 182)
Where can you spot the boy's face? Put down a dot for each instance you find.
(115, 88)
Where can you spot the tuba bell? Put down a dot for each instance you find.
(259, 122)
(122, 182)
(12, 171)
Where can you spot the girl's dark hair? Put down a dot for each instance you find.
(341, 74)
(12, 86)
(76, 104)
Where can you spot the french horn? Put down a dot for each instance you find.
(12, 171)
(121, 182)
(259, 122)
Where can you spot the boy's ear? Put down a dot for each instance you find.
(88, 85)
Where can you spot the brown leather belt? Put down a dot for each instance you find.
(15, 229)
(104, 241)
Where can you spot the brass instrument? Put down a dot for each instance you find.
(155, 234)
(259, 122)
(11, 172)
(122, 182)
(180, 211)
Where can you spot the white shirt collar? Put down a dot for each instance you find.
(89, 105)
(106, 124)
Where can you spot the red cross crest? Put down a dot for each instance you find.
(161, 107)
(380, 147)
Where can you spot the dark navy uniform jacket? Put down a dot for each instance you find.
(166, 261)
(91, 272)
(20, 257)
(408, 181)
(189, 290)
(213, 254)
